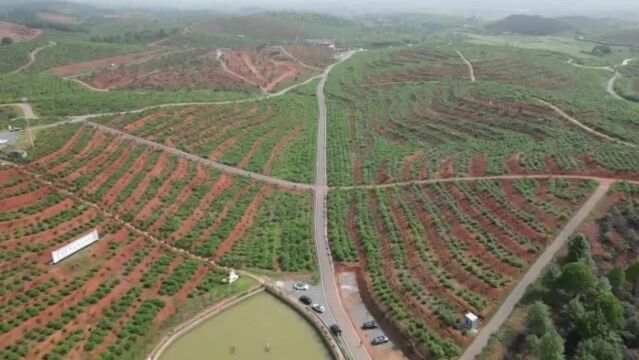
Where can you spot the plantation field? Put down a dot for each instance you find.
(52, 96)
(431, 253)
(111, 300)
(606, 246)
(68, 52)
(16, 55)
(413, 113)
(179, 202)
(266, 68)
(627, 84)
(274, 137)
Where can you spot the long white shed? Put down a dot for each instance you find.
(75, 246)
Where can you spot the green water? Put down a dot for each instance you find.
(249, 326)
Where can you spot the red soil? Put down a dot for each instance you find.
(222, 148)
(24, 200)
(44, 161)
(18, 32)
(137, 124)
(407, 165)
(513, 197)
(136, 168)
(478, 166)
(514, 166)
(448, 169)
(245, 223)
(259, 67)
(186, 193)
(223, 184)
(164, 190)
(99, 160)
(279, 147)
(75, 69)
(136, 197)
(95, 141)
(108, 172)
(27, 220)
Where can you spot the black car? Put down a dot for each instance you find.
(305, 300)
(336, 330)
(369, 325)
(378, 340)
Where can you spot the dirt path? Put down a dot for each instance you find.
(219, 55)
(26, 108)
(471, 70)
(610, 87)
(32, 57)
(85, 85)
(292, 57)
(533, 273)
(581, 125)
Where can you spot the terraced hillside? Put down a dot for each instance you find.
(415, 114)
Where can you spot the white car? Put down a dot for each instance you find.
(318, 308)
(300, 286)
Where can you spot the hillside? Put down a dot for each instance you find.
(528, 25)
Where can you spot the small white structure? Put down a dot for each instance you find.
(470, 321)
(233, 276)
(75, 246)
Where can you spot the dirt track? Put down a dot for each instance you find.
(471, 70)
(32, 57)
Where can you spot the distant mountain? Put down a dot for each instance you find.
(529, 25)
(597, 25)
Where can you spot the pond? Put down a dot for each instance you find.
(261, 327)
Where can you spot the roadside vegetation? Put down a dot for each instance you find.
(586, 304)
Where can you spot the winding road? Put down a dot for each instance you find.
(32, 57)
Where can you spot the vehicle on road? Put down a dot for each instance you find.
(335, 330)
(369, 325)
(14, 129)
(378, 340)
(318, 308)
(305, 300)
(300, 286)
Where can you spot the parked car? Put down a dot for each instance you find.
(369, 325)
(378, 340)
(305, 300)
(318, 308)
(300, 286)
(336, 330)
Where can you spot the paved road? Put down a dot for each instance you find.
(206, 162)
(533, 273)
(32, 57)
(328, 281)
(471, 70)
(581, 125)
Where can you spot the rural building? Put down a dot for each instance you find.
(75, 246)
(470, 321)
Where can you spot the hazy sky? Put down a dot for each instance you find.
(468, 7)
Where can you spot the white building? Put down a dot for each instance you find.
(75, 246)
(470, 321)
